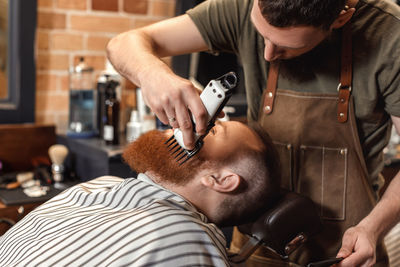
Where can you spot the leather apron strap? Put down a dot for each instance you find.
(344, 87)
(271, 87)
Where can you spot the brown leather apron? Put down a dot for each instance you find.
(321, 156)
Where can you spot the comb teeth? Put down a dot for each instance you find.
(175, 150)
(172, 138)
(186, 159)
(181, 157)
(173, 147)
(182, 151)
(180, 154)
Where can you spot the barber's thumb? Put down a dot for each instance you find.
(347, 248)
(343, 253)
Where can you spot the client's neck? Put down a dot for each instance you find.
(194, 192)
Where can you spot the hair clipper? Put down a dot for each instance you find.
(214, 97)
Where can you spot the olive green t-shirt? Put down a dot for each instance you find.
(225, 25)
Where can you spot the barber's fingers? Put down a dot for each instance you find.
(198, 110)
(174, 102)
(185, 125)
(357, 248)
(348, 243)
(359, 259)
(188, 105)
(163, 106)
(158, 110)
(171, 116)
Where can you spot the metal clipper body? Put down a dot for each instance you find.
(214, 97)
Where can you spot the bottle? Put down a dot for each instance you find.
(133, 127)
(111, 124)
(82, 101)
(101, 99)
(147, 117)
(109, 73)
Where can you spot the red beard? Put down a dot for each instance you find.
(150, 153)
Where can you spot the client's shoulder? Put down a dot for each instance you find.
(105, 180)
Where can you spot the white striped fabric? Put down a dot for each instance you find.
(111, 221)
(392, 242)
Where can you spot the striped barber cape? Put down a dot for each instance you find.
(111, 221)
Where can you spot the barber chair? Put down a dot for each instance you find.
(283, 228)
(8, 223)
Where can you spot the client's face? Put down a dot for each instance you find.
(149, 153)
(228, 138)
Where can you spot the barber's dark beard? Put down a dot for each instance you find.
(150, 153)
(304, 67)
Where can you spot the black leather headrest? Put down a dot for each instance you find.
(287, 224)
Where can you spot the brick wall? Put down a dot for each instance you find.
(69, 29)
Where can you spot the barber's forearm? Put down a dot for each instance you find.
(386, 213)
(134, 56)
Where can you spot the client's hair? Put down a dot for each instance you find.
(260, 185)
(261, 172)
(286, 13)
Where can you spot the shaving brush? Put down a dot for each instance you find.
(57, 154)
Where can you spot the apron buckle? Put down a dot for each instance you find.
(340, 86)
(343, 103)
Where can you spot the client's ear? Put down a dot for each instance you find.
(224, 181)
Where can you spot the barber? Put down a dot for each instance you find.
(322, 77)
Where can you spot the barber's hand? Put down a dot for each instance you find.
(173, 99)
(358, 248)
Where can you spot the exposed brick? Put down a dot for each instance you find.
(42, 40)
(94, 28)
(97, 62)
(49, 20)
(105, 5)
(99, 23)
(144, 22)
(61, 122)
(52, 62)
(45, 3)
(64, 82)
(44, 117)
(66, 41)
(72, 4)
(163, 8)
(97, 43)
(59, 119)
(136, 6)
(52, 102)
(46, 82)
